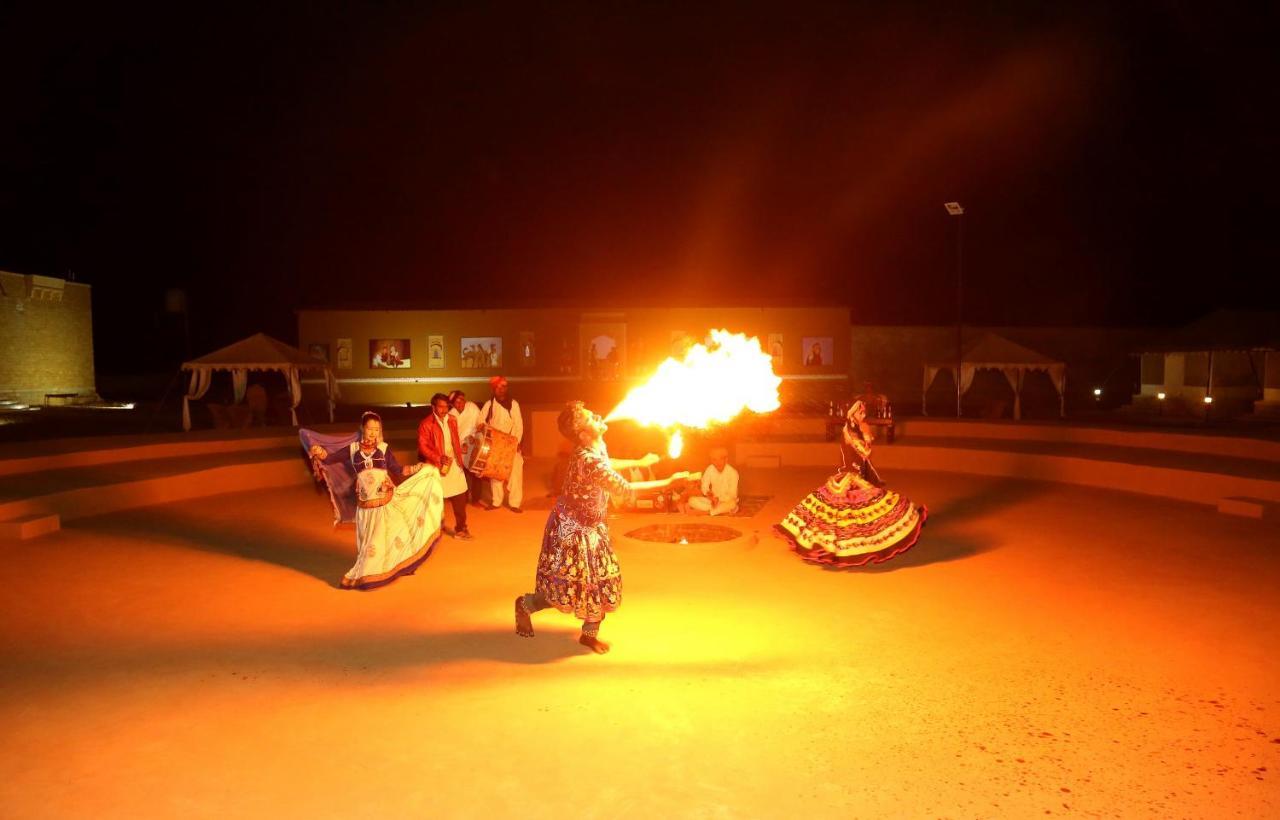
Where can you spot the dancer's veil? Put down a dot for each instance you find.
(338, 480)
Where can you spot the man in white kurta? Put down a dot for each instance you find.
(719, 487)
(503, 414)
(439, 446)
(468, 416)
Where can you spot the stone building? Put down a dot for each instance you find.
(46, 340)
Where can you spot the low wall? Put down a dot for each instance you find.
(1230, 446)
(802, 448)
(1184, 485)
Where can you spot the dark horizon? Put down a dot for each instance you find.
(1116, 165)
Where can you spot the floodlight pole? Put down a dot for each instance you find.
(956, 210)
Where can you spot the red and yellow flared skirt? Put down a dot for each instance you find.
(850, 522)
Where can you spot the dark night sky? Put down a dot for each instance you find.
(1118, 162)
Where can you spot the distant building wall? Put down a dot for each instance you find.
(561, 342)
(46, 338)
(1183, 378)
(892, 358)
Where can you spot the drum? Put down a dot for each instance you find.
(493, 454)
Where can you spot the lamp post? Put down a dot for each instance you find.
(956, 210)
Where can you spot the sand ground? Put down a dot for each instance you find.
(1045, 650)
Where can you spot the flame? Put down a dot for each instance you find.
(675, 446)
(712, 384)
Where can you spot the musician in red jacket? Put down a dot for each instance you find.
(439, 446)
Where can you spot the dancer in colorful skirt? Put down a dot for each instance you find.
(577, 571)
(398, 510)
(852, 520)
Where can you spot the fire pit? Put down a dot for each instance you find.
(684, 533)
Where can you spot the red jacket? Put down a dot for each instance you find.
(431, 441)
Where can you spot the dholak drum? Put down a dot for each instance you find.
(494, 453)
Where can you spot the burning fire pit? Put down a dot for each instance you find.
(684, 533)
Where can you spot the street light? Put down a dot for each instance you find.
(957, 210)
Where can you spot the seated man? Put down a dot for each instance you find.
(719, 487)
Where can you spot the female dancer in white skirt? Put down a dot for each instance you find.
(398, 509)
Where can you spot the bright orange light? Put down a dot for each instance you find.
(676, 445)
(712, 384)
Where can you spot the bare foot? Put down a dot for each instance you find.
(594, 644)
(524, 624)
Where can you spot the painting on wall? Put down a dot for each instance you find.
(481, 352)
(344, 354)
(775, 350)
(604, 347)
(389, 353)
(528, 349)
(567, 364)
(318, 351)
(435, 351)
(818, 351)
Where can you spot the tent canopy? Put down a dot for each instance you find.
(991, 351)
(258, 352)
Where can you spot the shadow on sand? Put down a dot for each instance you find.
(310, 551)
(943, 540)
(355, 657)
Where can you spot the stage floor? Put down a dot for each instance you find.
(1044, 650)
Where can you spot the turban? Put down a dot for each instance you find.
(497, 380)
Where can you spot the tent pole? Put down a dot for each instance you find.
(163, 398)
(1208, 386)
(959, 308)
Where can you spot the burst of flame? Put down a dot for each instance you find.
(710, 385)
(676, 445)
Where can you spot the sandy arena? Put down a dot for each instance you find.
(1045, 650)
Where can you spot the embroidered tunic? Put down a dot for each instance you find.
(577, 570)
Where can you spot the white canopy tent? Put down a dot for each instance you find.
(258, 352)
(993, 352)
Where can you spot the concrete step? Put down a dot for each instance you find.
(1248, 507)
(30, 526)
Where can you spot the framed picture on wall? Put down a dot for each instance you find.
(319, 351)
(818, 351)
(567, 363)
(435, 351)
(481, 352)
(344, 354)
(528, 349)
(389, 353)
(604, 350)
(775, 350)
